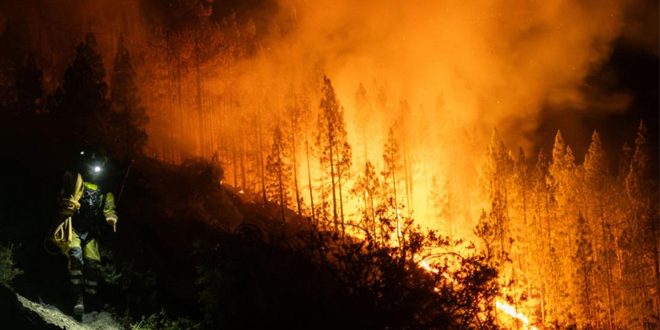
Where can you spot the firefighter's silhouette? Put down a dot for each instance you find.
(83, 209)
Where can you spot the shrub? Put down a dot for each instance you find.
(161, 321)
(7, 269)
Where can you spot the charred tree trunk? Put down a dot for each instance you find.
(260, 159)
(234, 161)
(408, 181)
(341, 207)
(608, 269)
(332, 181)
(281, 192)
(295, 167)
(200, 116)
(309, 180)
(242, 160)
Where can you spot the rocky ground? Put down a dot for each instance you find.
(19, 312)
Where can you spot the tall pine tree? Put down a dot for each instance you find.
(335, 150)
(82, 107)
(128, 117)
(278, 172)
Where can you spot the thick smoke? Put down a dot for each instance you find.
(463, 68)
(489, 63)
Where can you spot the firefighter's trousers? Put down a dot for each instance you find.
(84, 261)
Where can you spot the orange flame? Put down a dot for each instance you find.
(500, 304)
(507, 309)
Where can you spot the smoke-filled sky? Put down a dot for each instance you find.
(496, 63)
(504, 64)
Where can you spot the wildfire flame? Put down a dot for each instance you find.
(507, 309)
(500, 304)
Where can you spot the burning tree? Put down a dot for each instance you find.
(368, 187)
(335, 150)
(391, 178)
(294, 113)
(278, 172)
(639, 249)
(424, 285)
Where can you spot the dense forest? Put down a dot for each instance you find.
(577, 244)
(239, 263)
(257, 193)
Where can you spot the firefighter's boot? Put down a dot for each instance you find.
(76, 278)
(91, 285)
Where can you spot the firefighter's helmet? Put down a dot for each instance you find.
(92, 163)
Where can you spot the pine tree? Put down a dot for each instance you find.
(335, 150)
(29, 87)
(583, 276)
(497, 173)
(542, 270)
(521, 229)
(278, 172)
(640, 238)
(294, 111)
(487, 232)
(597, 195)
(564, 216)
(83, 105)
(447, 207)
(392, 177)
(128, 115)
(363, 109)
(368, 187)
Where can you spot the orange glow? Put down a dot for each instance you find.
(442, 74)
(500, 304)
(511, 311)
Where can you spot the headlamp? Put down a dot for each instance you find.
(95, 169)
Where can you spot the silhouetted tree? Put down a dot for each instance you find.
(368, 187)
(278, 172)
(82, 103)
(29, 87)
(128, 117)
(583, 275)
(335, 150)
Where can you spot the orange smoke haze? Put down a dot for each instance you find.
(462, 67)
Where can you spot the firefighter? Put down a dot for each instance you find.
(83, 209)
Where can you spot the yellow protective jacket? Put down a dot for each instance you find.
(74, 191)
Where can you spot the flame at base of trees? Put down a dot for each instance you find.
(511, 311)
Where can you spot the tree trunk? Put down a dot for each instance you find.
(408, 182)
(260, 160)
(309, 180)
(332, 181)
(396, 209)
(242, 160)
(200, 116)
(295, 167)
(281, 188)
(341, 206)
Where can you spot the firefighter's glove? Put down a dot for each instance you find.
(111, 219)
